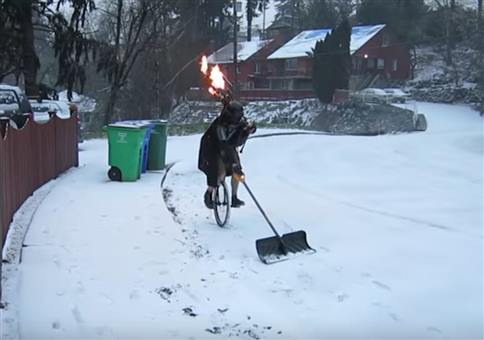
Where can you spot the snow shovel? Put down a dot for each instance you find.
(279, 248)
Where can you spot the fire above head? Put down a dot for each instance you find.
(204, 65)
(217, 78)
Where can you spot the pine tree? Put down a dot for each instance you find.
(332, 61)
(404, 16)
(251, 9)
(22, 18)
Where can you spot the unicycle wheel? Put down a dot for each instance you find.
(221, 204)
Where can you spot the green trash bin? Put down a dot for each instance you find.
(125, 151)
(158, 141)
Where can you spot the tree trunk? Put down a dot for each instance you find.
(413, 62)
(29, 57)
(480, 35)
(236, 82)
(250, 14)
(249, 28)
(452, 31)
(448, 50)
(480, 27)
(480, 30)
(113, 96)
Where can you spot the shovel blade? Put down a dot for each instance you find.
(274, 249)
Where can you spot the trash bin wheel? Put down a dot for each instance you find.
(114, 174)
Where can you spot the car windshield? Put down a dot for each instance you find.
(43, 107)
(8, 101)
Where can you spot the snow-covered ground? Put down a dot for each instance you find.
(397, 222)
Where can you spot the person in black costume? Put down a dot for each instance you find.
(218, 156)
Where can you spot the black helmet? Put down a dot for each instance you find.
(233, 112)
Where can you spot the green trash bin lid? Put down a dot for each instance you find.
(160, 125)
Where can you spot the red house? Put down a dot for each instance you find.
(251, 59)
(272, 69)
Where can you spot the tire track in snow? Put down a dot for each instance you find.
(174, 192)
(169, 193)
(369, 210)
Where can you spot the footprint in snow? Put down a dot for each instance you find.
(80, 287)
(381, 285)
(189, 311)
(434, 330)
(77, 315)
(164, 292)
(134, 295)
(342, 297)
(214, 330)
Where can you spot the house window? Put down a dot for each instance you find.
(257, 68)
(262, 83)
(380, 64)
(386, 40)
(371, 63)
(357, 63)
(239, 6)
(291, 64)
(303, 84)
(280, 84)
(395, 65)
(238, 69)
(276, 84)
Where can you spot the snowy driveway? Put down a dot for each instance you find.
(396, 220)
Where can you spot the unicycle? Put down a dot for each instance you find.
(221, 204)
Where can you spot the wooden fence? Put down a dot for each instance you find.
(30, 157)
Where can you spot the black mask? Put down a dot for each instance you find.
(233, 112)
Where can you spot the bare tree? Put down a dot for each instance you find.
(480, 35)
(133, 30)
(413, 61)
(448, 8)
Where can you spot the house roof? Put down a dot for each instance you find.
(245, 49)
(304, 42)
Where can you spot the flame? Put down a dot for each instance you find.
(204, 65)
(217, 78)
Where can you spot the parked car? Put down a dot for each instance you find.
(396, 95)
(372, 95)
(388, 95)
(14, 105)
(44, 109)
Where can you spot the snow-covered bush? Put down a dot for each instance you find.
(360, 118)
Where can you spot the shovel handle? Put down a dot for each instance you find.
(262, 211)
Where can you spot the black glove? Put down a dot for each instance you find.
(251, 128)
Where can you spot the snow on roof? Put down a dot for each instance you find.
(245, 49)
(300, 45)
